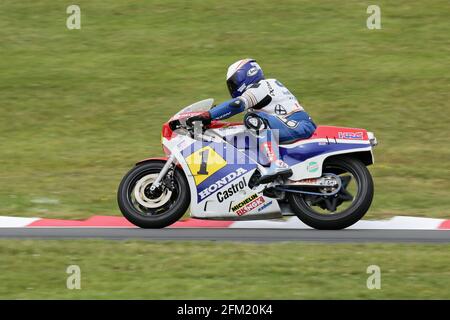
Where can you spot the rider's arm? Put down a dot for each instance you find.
(256, 96)
(227, 109)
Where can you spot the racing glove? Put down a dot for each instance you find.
(204, 117)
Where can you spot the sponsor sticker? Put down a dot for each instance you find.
(219, 184)
(248, 204)
(232, 190)
(313, 166)
(252, 71)
(350, 135)
(224, 116)
(280, 110)
(271, 90)
(267, 204)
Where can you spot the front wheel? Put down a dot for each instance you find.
(344, 208)
(157, 209)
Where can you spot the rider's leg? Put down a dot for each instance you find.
(299, 126)
(296, 126)
(268, 145)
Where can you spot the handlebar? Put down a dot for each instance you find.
(183, 124)
(177, 124)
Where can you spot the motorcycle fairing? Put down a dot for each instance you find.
(221, 190)
(219, 184)
(306, 157)
(210, 162)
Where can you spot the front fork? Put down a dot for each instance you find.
(157, 183)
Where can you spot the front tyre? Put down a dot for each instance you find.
(344, 208)
(152, 210)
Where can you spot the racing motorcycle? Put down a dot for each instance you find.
(214, 172)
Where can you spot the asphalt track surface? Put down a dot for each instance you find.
(242, 235)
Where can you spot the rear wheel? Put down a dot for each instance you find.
(343, 209)
(157, 209)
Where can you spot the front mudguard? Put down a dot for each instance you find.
(160, 159)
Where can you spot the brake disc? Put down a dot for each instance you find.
(144, 198)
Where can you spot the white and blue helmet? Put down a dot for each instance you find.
(241, 75)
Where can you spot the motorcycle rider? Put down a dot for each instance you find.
(270, 105)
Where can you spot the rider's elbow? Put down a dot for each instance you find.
(237, 104)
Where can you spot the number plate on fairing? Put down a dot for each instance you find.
(204, 162)
(216, 167)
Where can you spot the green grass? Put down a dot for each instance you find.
(78, 108)
(207, 270)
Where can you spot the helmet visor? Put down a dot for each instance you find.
(234, 83)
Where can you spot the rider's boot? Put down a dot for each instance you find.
(278, 168)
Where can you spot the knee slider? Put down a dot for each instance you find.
(254, 122)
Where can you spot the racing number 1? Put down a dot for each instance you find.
(203, 165)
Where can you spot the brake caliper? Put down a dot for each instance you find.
(168, 180)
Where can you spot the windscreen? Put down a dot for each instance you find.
(203, 105)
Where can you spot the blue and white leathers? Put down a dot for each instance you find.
(276, 104)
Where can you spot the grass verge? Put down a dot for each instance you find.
(207, 270)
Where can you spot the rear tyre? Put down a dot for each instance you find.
(306, 206)
(152, 210)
